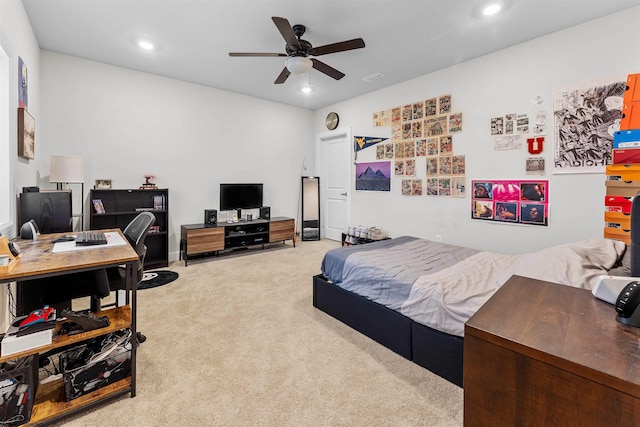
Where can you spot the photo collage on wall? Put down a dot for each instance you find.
(511, 201)
(423, 130)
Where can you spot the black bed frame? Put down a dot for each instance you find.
(439, 352)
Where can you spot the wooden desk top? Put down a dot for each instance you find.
(223, 224)
(564, 327)
(38, 260)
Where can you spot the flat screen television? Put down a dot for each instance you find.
(240, 196)
(51, 210)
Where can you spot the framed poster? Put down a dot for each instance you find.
(26, 134)
(511, 201)
(373, 176)
(585, 118)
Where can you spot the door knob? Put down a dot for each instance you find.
(343, 194)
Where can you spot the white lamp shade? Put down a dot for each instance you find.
(69, 169)
(298, 64)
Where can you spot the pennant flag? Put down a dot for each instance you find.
(366, 141)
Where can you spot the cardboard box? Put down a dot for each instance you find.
(626, 156)
(622, 188)
(618, 234)
(626, 138)
(618, 204)
(617, 220)
(623, 172)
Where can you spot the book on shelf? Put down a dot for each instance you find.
(159, 202)
(144, 209)
(154, 229)
(98, 206)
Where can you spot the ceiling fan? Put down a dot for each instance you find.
(301, 54)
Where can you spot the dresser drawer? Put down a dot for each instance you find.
(205, 240)
(281, 230)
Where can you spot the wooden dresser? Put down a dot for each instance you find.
(198, 239)
(540, 353)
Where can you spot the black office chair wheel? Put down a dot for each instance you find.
(140, 337)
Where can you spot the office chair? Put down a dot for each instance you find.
(135, 232)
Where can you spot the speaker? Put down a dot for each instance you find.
(210, 217)
(265, 212)
(29, 230)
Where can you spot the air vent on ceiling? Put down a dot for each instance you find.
(372, 77)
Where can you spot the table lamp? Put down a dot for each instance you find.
(69, 170)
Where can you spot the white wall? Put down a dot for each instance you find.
(18, 40)
(489, 86)
(126, 123)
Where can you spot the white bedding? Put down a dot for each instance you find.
(446, 299)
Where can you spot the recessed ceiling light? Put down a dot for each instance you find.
(146, 45)
(306, 89)
(491, 9)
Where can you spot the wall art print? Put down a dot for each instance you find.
(511, 201)
(23, 88)
(585, 117)
(373, 176)
(26, 134)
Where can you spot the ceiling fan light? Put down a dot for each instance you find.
(298, 65)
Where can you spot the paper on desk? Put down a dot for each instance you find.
(113, 239)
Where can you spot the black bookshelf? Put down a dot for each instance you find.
(121, 206)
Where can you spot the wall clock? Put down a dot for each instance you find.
(332, 120)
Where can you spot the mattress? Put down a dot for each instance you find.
(441, 285)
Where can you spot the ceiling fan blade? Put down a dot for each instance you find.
(337, 47)
(282, 77)
(256, 54)
(287, 32)
(324, 68)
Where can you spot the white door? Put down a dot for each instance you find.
(334, 161)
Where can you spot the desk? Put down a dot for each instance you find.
(540, 353)
(38, 261)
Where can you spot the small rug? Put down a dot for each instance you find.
(152, 279)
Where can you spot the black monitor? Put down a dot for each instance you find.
(51, 210)
(240, 196)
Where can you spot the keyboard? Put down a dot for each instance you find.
(86, 239)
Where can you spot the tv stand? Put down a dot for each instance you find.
(201, 239)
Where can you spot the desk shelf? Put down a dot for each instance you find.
(119, 318)
(50, 403)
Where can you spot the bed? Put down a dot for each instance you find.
(414, 295)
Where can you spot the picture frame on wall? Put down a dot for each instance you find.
(26, 134)
(102, 184)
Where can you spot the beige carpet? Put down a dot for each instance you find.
(236, 341)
